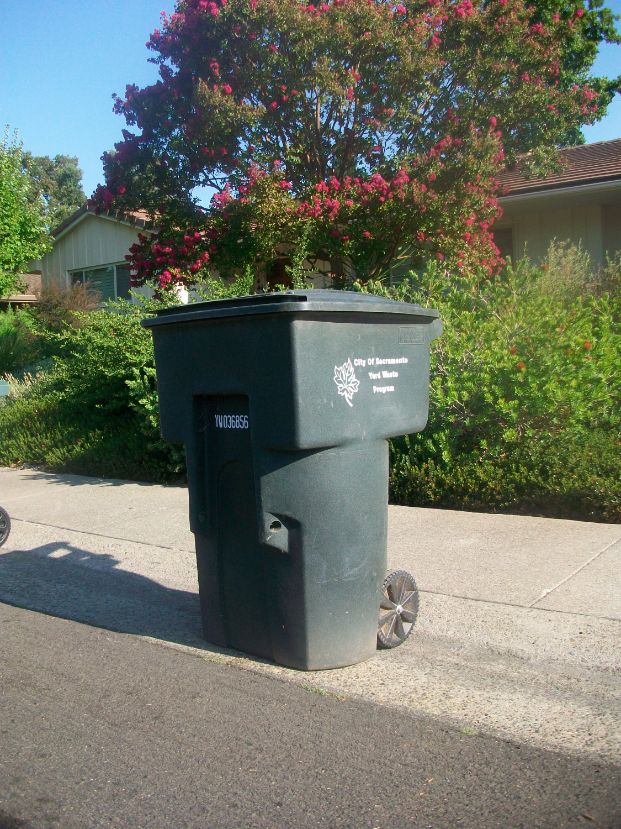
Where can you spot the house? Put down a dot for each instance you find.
(90, 248)
(580, 203)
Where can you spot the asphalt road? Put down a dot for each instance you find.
(102, 729)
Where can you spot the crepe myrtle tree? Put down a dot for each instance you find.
(358, 129)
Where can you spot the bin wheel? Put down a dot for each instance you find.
(5, 526)
(398, 609)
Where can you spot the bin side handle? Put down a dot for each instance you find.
(278, 531)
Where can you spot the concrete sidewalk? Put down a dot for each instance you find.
(518, 632)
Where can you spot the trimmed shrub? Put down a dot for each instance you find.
(525, 412)
(88, 413)
(19, 344)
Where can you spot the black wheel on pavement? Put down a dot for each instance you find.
(398, 609)
(5, 526)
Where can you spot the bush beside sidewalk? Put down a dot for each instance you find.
(525, 412)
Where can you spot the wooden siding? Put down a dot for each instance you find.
(611, 229)
(93, 242)
(597, 227)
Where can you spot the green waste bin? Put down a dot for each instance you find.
(284, 402)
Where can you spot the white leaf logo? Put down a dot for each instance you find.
(346, 382)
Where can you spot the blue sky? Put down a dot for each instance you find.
(61, 60)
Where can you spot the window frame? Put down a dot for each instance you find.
(82, 272)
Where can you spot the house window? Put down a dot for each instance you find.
(111, 281)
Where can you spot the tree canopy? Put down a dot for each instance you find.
(23, 231)
(356, 128)
(58, 182)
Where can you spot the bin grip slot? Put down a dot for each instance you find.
(278, 531)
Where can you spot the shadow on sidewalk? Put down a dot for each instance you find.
(71, 479)
(66, 581)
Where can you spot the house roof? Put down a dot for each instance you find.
(139, 218)
(584, 164)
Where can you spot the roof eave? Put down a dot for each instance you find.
(573, 189)
(83, 212)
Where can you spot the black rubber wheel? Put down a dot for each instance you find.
(398, 609)
(5, 526)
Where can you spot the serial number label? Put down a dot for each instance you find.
(231, 421)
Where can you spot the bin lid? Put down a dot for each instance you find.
(315, 301)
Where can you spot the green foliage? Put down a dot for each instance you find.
(28, 337)
(57, 182)
(89, 413)
(43, 427)
(23, 233)
(212, 288)
(19, 346)
(95, 410)
(585, 29)
(525, 409)
(568, 273)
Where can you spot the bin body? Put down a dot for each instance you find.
(284, 403)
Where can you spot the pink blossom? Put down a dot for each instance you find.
(226, 88)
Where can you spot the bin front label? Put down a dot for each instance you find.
(381, 371)
(346, 381)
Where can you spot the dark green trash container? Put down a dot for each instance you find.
(284, 402)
